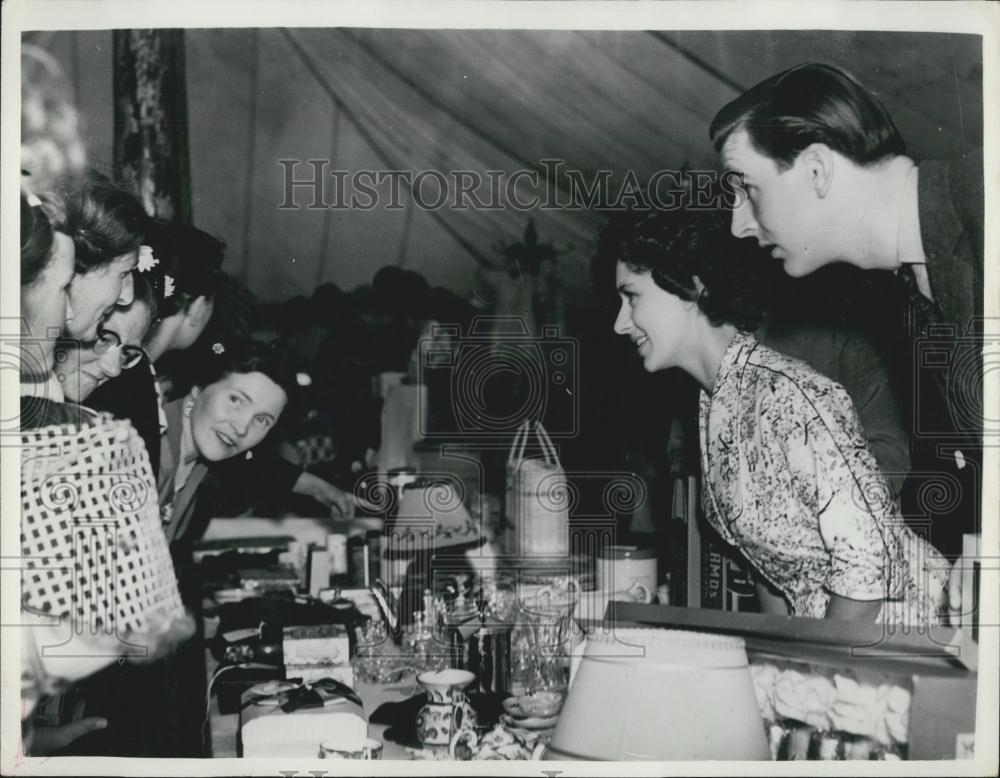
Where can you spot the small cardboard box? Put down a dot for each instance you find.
(266, 730)
(940, 661)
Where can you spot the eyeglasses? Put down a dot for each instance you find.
(130, 356)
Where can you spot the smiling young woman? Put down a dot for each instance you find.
(233, 411)
(788, 477)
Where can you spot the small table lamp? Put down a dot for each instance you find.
(656, 694)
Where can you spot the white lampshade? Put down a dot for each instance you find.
(656, 694)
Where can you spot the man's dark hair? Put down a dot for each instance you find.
(810, 103)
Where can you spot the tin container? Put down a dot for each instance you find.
(620, 567)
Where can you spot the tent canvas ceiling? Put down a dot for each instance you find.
(479, 100)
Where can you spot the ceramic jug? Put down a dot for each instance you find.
(447, 711)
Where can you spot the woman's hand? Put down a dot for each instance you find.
(340, 502)
(55, 655)
(164, 635)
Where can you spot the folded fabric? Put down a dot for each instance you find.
(318, 695)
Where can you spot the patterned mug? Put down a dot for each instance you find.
(447, 711)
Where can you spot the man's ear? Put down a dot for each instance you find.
(198, 312)
(820, 164)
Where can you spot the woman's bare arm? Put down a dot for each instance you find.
(853, 610)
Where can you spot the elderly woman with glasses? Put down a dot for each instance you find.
(82, 367)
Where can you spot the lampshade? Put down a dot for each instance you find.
(656, 694)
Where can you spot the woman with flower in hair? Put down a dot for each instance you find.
(199, 309)
(182, 267)
(227, 416)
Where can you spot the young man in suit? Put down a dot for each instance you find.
(821, 177)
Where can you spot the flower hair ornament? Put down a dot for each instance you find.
(146, 259)
(168, 286)
(218, 349)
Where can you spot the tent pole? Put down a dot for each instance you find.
(150, 120)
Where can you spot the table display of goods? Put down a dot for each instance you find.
(482, 671)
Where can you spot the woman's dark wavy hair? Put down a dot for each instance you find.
(251, 356)
(36, 241)
(810, 103)
(104, 220)
(191, 257)
(676, 247)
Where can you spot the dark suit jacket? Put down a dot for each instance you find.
(945, 362)
(950, 195)
(950, 198)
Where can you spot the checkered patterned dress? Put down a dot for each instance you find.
(90, 528)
